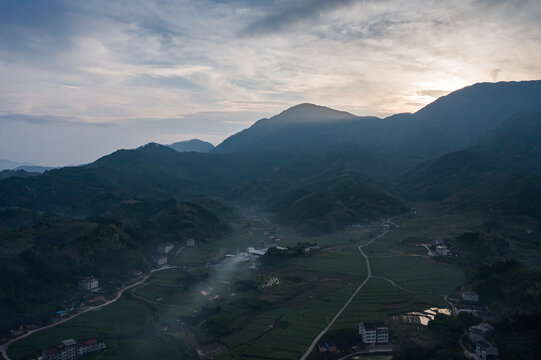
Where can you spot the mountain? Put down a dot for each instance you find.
(450, 123)
(502, 173)
(35, 168)
(300, 129)
(43, 260)
(10, 165)
(151, 171)
(472, 112)
(324, 191)
(4, 174)
(192, 145)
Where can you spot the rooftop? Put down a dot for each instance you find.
(69, 342)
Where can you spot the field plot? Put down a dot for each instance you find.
(300, 324)
(378, 300)
(344, 261)
(310, 291)
(418, 274)
(122, 319)
(146, 346)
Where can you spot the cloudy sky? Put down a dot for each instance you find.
(79, 79)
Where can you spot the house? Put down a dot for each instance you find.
(69, 349)
(258, 252)
(485, 350)
(160, 260)
(469, 307)
(165, 248)
(51, 354)
(480, 332)
(89, 283)
(190, 242)
(442, 250)
(374, 332)
(62, 313)
(137, 273)
(322, 348)
(469, 295)
(386, 228)
(310, 249)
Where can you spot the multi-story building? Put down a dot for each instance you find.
(485, 350)
(69, 349)
(160, 260)
(374, 332)
(469, 295)
(89, 283)
(165, 248)
(480, 332)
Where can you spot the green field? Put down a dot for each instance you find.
(306, 293)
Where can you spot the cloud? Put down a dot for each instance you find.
(50, 119)
(433, 92)
(293, 13)
(158, 67)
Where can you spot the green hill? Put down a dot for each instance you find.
(501, 174)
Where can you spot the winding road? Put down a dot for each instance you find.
(3, 347)
(368, 276)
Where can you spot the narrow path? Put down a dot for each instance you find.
(159, 303)
(331, 323)
(368, 276)
(3, 347)
(445, 297)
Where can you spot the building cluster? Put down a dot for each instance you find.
(369, 334)
(469, 302)
(70, 349)
(480, 335)
(374, 333)
(163, 250)
(89, 283)
(439, 248)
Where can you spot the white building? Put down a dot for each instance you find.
(165, 248)
(160, 260)
(89, 283)
(442, 250)
(374, 333)
(69, 349)
(386, 228)
(310, 249)
(486, 350)
(258, 252)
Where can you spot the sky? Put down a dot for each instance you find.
(80, 79)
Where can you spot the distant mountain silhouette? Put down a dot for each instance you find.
(195, 145)
(11, 165)
(300, 129)
(450, 123)
(35, 168)
(4, 174)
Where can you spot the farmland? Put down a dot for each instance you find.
(277, 317)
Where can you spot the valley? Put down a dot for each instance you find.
(311, 290)
(283, 240)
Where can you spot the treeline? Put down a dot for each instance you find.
(42, 261)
